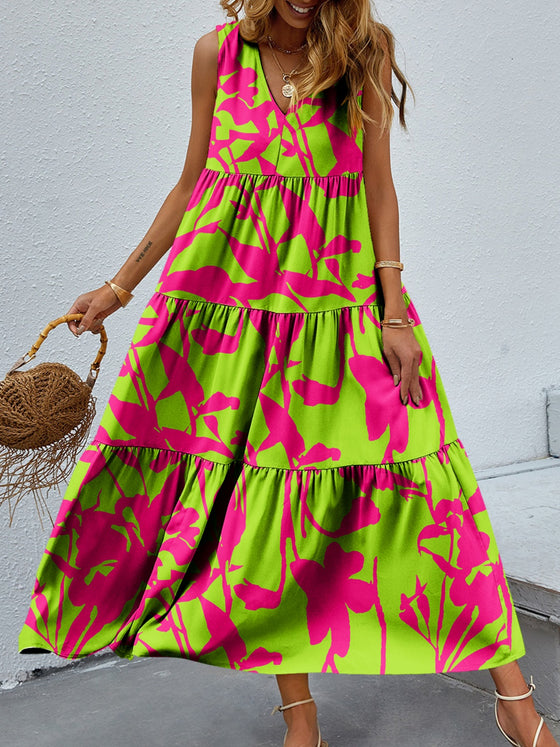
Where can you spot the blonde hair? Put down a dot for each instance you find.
(345, 34)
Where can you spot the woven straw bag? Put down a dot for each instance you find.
(45, 418)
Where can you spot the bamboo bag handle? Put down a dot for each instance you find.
(94, 368)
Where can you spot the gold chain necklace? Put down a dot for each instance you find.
(285, 51)
(287, 88)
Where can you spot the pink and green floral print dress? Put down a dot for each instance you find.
(256, 496)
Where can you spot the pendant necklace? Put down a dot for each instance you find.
(287, 88)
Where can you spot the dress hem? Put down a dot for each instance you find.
(124, 653)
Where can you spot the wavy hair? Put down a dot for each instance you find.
(346, 35)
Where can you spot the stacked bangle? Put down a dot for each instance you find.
(397, 323)
(389, 263)
(123, 295)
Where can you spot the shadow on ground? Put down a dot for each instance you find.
(110, 702)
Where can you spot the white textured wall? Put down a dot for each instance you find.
(94, 129)
(478, 183)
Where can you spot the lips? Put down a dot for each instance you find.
(300, 10)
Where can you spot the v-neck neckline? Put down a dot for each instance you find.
(260, 71)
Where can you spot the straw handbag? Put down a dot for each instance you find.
(45, 418)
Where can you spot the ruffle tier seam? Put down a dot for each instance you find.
(354, 175)
(271, 311)
(383, 465)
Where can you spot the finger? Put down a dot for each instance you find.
(73, 326)
(406, 378)
(394, 366)
(88, 320)
(96, 326)
(415, 388)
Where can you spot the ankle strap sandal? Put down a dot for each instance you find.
(528, 694)
(280, 708)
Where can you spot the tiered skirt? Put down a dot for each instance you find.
(257, 496)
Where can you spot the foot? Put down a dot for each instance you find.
(520, 721)
(303, 730)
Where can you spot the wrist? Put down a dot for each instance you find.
(394, 309)
(122, 295)
(123, 282)
(398, 322)
(392, 290)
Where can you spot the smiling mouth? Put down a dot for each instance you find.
(299, 9)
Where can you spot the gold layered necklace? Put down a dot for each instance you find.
(287, 88)
(285, 51)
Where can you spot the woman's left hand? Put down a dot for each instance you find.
(403, 355)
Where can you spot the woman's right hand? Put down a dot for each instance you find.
(96, 307)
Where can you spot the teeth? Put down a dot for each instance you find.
(297, 8)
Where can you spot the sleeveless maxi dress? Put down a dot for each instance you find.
(256, 496)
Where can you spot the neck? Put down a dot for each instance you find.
(284, 34)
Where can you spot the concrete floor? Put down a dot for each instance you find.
(169, 702)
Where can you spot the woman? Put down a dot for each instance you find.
(276, 484)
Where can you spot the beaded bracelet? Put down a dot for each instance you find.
(123, 295)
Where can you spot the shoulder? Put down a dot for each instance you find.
(206, 48)
(383, 39)
(381, 68)
(205, 60)
(205, 64)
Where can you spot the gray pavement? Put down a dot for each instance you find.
(109, 702)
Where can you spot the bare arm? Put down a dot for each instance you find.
(98, 304)
(399, 345)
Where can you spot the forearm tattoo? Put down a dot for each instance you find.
(144, 251)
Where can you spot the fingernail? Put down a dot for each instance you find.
(395, 380)
(405, 400)
(81, 329)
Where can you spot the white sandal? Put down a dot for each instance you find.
(531, 687)
(276, 709)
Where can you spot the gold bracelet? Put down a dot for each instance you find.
(397, 323)
(389, 263)
(123, 295)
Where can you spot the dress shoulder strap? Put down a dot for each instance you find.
(227, 35)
